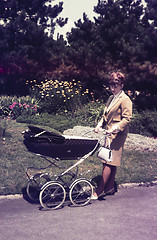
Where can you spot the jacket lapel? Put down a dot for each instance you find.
(115, 102)
(108, 102)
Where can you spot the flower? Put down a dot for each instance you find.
(11, 107)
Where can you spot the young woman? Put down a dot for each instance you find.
(117, 115)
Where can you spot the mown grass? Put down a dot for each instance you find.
(15, 158)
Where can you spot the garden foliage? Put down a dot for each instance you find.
(60, 96)
(13, 107)
(60, 117)
(121, 36)
(68, 79)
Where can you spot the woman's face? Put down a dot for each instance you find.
(116, 88)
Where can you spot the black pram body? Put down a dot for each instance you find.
(55, 145)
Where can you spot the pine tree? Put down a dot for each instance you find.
(122, 36)
(27, 50)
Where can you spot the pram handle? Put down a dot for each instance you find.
(87, 132)
(104, 132)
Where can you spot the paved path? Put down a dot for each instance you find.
(130, 214)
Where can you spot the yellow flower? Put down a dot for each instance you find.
(65, 83)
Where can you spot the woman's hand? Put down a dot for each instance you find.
(109, 131)
(113, 129)
(97, 129)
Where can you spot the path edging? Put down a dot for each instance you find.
(121, 186)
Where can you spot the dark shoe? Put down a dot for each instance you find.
(112, 191)
(115, 186)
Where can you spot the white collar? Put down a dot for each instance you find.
(117, 95)
(113, 100)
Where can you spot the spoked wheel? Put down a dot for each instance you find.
(81, 192)
(52, 195)
(35, 184)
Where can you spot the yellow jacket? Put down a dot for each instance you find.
(119, 113)
(117, 116)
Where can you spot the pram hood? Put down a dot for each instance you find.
(55, 145)
(36, 134)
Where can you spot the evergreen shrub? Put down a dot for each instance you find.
(144, 123)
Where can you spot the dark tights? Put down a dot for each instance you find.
(107, 180)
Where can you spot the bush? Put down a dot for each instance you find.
(26, 110)
(144, 102)
(144, 123)
(58, 96)
(88, 115)
(13, 107)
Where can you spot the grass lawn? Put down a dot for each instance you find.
(15, 158)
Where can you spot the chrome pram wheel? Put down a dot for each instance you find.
(35, 184)
(52, 195)
(80, 192)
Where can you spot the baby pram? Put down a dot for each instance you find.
(55, 148)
